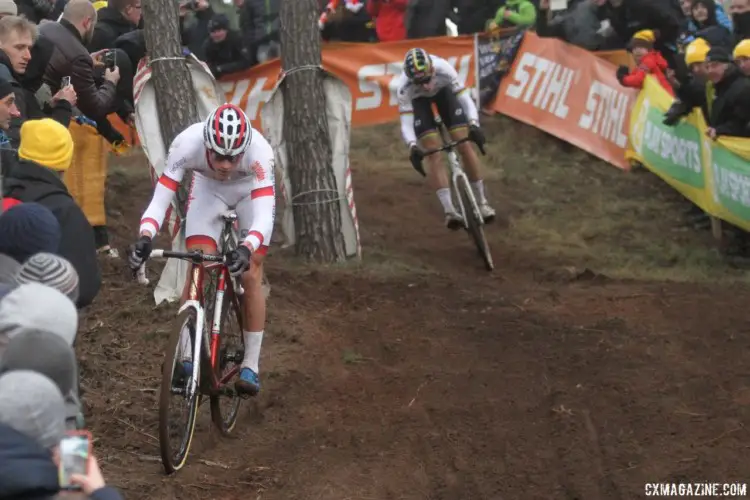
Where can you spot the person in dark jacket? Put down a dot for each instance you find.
(426, 18)
(8, 111)
(706, 25)
(740, 11)
(46, 151)
(72, 58)
(17, 48)
(730, 110)
(224, 50)
(259, 20)
(579, 25)
(195, 30)
(36, 10)
(116, 19)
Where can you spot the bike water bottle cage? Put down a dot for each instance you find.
(418, 66)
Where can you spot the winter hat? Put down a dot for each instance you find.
(6, 87)
(696, 51)
(8, 269)
(719, 54)
(51, 270)
(8, 8)
(644, 39)
(42, 352)
(37, 307)
(218, 22)
(46, 142)
(28, 228)
(31, 404)
(742, 49)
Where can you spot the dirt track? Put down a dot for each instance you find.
(419, 376)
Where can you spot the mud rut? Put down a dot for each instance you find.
(439, 384)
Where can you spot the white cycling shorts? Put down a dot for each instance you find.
(210, 198)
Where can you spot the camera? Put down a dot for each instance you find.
(110, 60)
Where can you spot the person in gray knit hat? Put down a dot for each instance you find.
(32, 404)
(8, 8)
(48, 354)
(37, 307)
(51, 270)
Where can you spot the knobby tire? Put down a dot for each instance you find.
(475, 226)
(171, 460)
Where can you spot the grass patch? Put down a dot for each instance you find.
(572, 209)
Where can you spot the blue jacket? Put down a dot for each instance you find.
(26, 468)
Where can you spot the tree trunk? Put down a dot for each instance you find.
(316, 200)
(176, 104)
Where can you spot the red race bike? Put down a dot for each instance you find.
(205, 350)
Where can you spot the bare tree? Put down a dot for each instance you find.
(176, 104)
(316, 201)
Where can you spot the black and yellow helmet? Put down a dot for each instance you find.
(418, 66)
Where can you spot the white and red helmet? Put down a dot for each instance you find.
(227, 131)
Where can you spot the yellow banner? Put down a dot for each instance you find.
(715, 175)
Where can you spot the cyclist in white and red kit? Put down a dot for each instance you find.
(233, 168)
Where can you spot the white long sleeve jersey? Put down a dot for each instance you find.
(256, 169)
(445, 76)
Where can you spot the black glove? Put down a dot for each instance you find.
(674, 113)
(238, 261)
(622, 72)
(416, 155)
(476, 135)
(139, 252)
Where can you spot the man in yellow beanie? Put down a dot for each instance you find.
(45, 153)
(741, 56)
(695, 91)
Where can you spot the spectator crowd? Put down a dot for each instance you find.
(71, 62)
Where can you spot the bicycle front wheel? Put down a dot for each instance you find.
(225, 405)
(474, 222)
(178, 408)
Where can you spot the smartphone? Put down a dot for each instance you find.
(110, 59)
(65, 82)
(75, 454)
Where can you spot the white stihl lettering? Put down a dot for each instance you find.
(374, 79)
(606, 110)
(254, 96)
(370, 79)
(547, 82)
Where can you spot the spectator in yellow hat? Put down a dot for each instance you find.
(695, 91)
(46, 152)
(741, 56)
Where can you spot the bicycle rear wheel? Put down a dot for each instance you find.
(175, 436)
(475, 222)
(225, 406)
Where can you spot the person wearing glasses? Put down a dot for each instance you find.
(426, 80)
(233, 168)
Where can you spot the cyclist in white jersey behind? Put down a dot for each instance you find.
(233, 168)
(428, 79)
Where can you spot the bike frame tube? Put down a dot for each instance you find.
(216, 323)
(195, 295)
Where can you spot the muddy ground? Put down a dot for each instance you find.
(418, 375)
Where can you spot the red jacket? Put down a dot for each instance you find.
(651, 64)
(389, 19)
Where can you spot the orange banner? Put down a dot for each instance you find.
(571, 94)
(369, 70)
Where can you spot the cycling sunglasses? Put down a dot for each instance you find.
(219, 157)
(422, 78)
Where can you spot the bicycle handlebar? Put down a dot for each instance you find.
(451, 145)
(194, 256)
